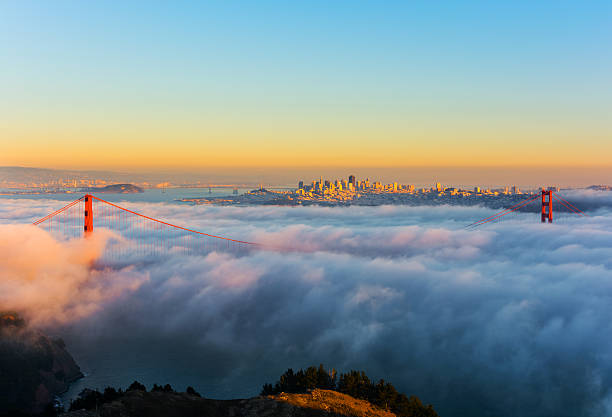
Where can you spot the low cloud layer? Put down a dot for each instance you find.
(52, 282)
(512, 319)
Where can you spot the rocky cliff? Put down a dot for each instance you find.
(33, 367)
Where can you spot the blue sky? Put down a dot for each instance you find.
(441, 76)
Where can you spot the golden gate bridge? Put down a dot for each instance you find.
(546, 196)
(134, 232)
(141, 234)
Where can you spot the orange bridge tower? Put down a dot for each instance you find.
(547, 209)
(88, 227)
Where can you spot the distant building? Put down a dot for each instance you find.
(301, 185)
(438, 187)
(352, 180)
(477, 189)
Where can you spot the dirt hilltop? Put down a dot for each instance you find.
(316, 403)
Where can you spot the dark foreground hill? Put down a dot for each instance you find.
(33, 367)
(170, 404)
(307, 392)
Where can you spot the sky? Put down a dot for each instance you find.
(186, 85)
(511, 319)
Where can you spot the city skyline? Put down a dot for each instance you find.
(464, 177)
(27, 178)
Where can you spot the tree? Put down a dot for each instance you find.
(287, 382)
(111, 394)
(385, 395)
(324, 379)
(268, 389)
(356, 384)
(87, 399)
(353, 383)
(137, 386)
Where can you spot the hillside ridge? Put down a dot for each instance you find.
(315, 403)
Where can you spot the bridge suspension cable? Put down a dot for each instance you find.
(172, 225)
(135, 233)
(568, 205)
(503, 213)
(546, 208)
(55, 213)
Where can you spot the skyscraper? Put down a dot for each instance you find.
(352, 179)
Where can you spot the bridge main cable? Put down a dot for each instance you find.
(568, 205)
(173, 225)
(502, 213)
(55, 213)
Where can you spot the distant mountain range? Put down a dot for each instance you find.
(11, 176)
(27, 174)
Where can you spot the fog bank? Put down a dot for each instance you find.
(512, 319)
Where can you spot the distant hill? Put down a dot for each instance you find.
(116, 188)
(600, 187)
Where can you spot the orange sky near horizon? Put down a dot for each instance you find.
(190, 147)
